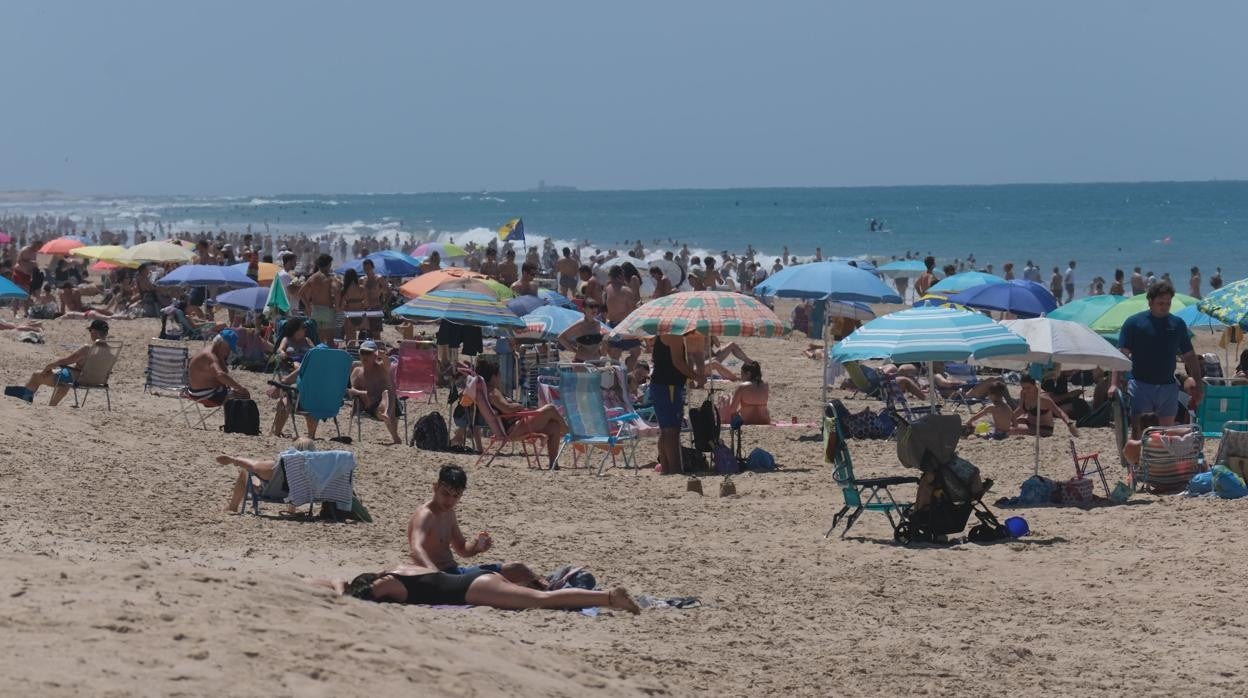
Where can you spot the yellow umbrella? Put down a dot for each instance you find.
(156, 251)
(104, 253)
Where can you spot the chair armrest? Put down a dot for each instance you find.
(282, 386)
(623, 417)
(886, 481)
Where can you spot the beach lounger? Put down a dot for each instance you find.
(860, 494)
(875, 384)
(589, 427)
(96, 370)
(320, 386)
(166, 370)
(1169, 458)
(499, 438)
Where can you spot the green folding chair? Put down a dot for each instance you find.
(860, 494)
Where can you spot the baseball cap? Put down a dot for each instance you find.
(231, 338)
(368, 345)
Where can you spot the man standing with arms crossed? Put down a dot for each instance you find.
(317, 295)
(1152, 339)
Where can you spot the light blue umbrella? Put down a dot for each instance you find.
(836, 281)
(245, 299)
(1198, 320)
(461, 308)
(388, 263)
(206, 275)
(8, 289)
(904, 267)
(963, 281)
(549, 321)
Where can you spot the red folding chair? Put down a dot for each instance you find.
(1088, 463)
(417, 374)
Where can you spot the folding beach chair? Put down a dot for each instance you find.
(417, 375)
(589, 427)
(476, 390)
(166, 370)
(307, 477)
(964, 373)
(1169, 457)
(1087, 464)
(860, 494)
(358, 414)
(320, 386)
(96, 369)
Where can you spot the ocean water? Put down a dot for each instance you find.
(1162, 226)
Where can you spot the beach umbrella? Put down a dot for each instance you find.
(904, 268)
(277, 297)
(461, 308)
(105, 254)
(444, 249)
(963, 281)
(1086, 310)
(103, 265)
(5, 238)
(156, 251)
(246, 299)
(265, 271)
(9, 290)
(61, 245)
(936, 300)
(427, 282)
(1110, 323)
(837, 281)
(854, 310)
(1070, 344)
(1228, 304)
(387, 263)
(719, 313)
(549, 321)
(1196, 319)
(524, 304)
(206, 275)
(671, 269)
(1018, 297)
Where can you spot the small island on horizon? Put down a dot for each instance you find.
(543, 186)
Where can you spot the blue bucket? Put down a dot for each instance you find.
(1017, 526)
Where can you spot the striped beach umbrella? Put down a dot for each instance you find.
(929, 334)
(427, 282)
(719, 313)
(461, 308)
(1110, 323)
(549, 321)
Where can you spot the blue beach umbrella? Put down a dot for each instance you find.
(524, 304)
(963, 281)
(245, 299)
(904, 267)
(460, 307)
(388, 263)
(1198, 320)
(8, 289)
(549, 321)
(556, 298)
(206, 275)
(1025, 299)
(836, 281)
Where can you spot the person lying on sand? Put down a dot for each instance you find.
(262, 469)
(414, 584)
(21, 327)
(998, 410)
(433, 533)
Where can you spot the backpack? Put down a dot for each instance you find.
(430, 433)
(241, 417)
(705, 423)
(724, 460)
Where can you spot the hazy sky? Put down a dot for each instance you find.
(284, 97)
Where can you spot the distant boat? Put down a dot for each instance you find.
(543, 186)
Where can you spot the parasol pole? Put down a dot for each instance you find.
(826, 358)
(931, 384)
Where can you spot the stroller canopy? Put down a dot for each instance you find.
(929, 442)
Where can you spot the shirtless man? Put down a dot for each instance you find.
(490, 266)
(317, 295)
(589, 289)
(566, 269)
(662, 285)
(527, 285)
(374, 298)
(433, 533)
(27, 274)
(432, 263)
(207, 375)
(620, 301)
(62, 372)
(372, 386)
(927, 278)
(507, 269)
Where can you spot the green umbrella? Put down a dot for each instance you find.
(1086, 310)
(277, 296)
(1110, 323)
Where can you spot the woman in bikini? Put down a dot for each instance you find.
(1025, 414)
(584, 337)
(750, 398)
(413, 584)
(351, 303)
(545, 420)
(295, 342)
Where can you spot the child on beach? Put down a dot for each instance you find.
(999, 410)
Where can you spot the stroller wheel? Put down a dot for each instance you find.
(905, 533)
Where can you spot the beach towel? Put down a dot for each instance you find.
(319, 476)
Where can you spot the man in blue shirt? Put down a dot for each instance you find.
(1152, 339)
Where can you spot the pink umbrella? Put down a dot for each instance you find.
(62, 245)
(5, 238)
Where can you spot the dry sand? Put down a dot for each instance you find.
(122, 575)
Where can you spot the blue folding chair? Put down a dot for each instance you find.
(320, 386)
(589, 427)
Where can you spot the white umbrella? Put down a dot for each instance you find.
(1050, 341)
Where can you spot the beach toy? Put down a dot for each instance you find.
(982, 428)
(1121, 493)
(1017, 526)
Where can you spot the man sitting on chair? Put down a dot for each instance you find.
(208, 377)
(61, 373)
(372, 386)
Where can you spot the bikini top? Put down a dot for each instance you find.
(589, 339)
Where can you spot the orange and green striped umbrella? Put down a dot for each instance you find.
(720, 313)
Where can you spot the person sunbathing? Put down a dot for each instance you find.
(544, 420)
(62, 372)
(208, 377)
(1134, 447)
(749, 400)
(21, 327)
(1026, 420)
(415, 584)
(260, 469)
(998, 410)
(372, 385)
(434, 538)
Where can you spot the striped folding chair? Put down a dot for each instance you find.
(1169, 458)
(589, 427)
(166, 370)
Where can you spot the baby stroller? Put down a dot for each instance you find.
(954, 486)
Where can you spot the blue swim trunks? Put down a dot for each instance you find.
(669, 404)
(473, 569)
(64, 375)
(1161, 400)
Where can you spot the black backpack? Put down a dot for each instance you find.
(241, 417)
(430, 433)
(705, 423)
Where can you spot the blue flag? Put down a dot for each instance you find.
(512, 230)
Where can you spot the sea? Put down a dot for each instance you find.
(1159, 226)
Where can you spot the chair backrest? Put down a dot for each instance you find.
(418, 368)
(580, 388)
(166, 366)
(1171, 455)
(477, 390)
(858, 376)
(959, 369)
(323, 378)
(1234, 442)
(842, 463)
(98, 365)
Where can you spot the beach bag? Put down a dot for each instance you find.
(692, 460)
(725, 462)
(705, 423)
(1226, 484)
(1201, 483)
(1076, 492)
(430, 433)
(1037, 490)
(241, 417)
(760, 461)
(18, 391)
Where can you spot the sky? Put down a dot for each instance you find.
(225, 97)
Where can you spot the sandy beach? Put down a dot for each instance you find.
(123, 576)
